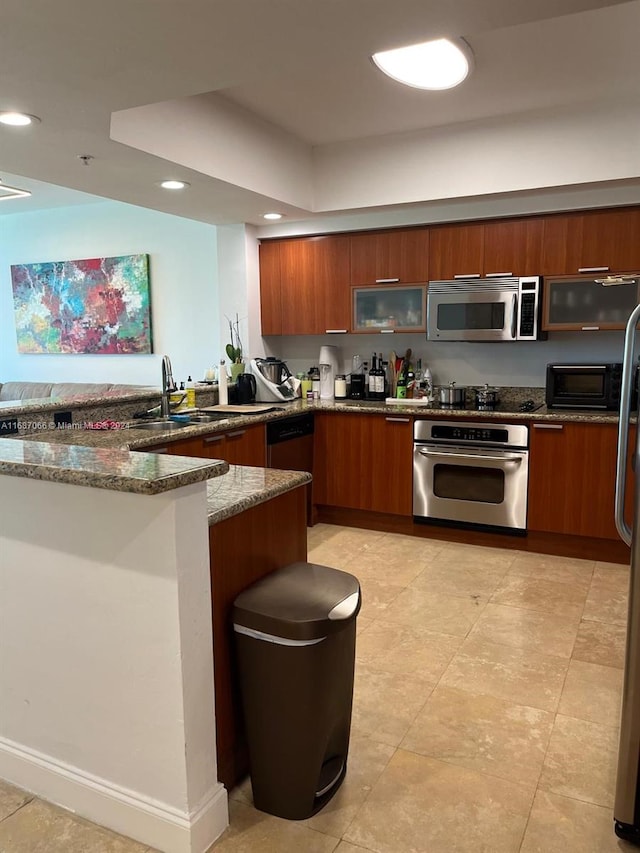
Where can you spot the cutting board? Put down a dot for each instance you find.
(248, 409)
(404, 401)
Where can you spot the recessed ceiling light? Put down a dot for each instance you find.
(17, 119)
(272, 216)
(174, 185)
(439, 64)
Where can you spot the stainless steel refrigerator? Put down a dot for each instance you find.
(626, 813)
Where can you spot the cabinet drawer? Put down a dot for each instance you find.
(242, 446)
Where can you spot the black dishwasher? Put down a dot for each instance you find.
(290, 447)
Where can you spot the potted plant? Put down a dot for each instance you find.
(234, 349)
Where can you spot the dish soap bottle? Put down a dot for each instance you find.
(191, 393)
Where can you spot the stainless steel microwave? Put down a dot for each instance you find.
(504, 308)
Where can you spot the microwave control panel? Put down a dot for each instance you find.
(529, 313)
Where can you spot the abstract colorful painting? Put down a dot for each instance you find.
(98, 306)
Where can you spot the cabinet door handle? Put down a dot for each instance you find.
(468, 275)
(236, 434)
(497, 274)
(398, 420)
(593, 269)
(213, 438)
(548, 426)
(387, 331)
(335, 331)
(590, 329)
(387, 280)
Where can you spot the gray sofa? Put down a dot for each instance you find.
(68, 390)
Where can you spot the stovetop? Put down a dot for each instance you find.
(507, 408)
(502, 407)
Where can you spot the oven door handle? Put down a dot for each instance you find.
(516, 460)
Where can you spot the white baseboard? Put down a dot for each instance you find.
(146, 820)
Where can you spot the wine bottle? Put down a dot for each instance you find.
(376, 379)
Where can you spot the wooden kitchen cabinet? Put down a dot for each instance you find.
(304, 286)
(579, 303)
(572, 479)
(513, 246)
(401, 309)
(507, 246)
(245, 445)
(398, 256)
(366, 462)
(594, 240)
(243, 549)
(270, 289)
(456, 250)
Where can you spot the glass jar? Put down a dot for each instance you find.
(340, 387)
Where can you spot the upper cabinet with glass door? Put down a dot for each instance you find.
(586, 303)
(389, 309)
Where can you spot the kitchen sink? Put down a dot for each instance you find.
(160, 426)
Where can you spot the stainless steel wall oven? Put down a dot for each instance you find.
(471, 473)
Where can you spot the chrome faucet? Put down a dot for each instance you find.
(168, 385)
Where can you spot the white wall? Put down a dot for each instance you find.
(533, 151)
(232, 270)
(219, 138)
(184, 288)
(106, 659)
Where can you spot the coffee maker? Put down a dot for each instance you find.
(357, 389)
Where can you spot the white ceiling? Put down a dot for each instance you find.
(301, 67)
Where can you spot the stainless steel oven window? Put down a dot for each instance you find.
(466, 483)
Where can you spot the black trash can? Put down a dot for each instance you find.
(295, 634)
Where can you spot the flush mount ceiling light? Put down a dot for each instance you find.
(14, 119)
(439, 64)
(7, 192)
(272, 216)
(174, 185)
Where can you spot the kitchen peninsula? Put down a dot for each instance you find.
(107, 560)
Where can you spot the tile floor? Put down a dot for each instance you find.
(485, 712)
